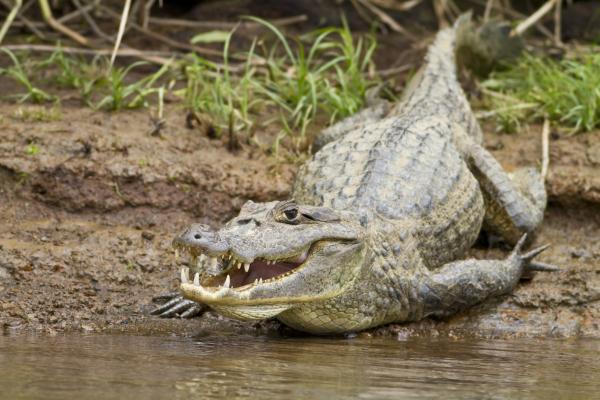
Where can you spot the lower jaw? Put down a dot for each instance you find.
(252, 312)
(231, 298)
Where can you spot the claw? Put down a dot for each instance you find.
(176, 305)
(520, 244)
(181, 306)
(165, 307)
(194, 310)
(532, 253)
(163, 298)
(540, 266)
(526, 259)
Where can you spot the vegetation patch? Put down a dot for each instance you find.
(566, 91)
(293, 81)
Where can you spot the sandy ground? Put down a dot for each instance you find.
(86, 225)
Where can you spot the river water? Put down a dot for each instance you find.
(225, 366)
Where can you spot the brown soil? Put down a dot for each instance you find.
(87, 224)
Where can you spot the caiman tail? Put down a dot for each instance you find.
(436, 86)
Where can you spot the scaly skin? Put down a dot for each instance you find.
(381, 214)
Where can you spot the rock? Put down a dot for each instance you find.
(580, 253)
(4, 275)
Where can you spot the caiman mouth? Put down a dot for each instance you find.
(235, 273)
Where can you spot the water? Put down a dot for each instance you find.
(239, 367)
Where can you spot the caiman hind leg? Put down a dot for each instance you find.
(515, 202)
(461, 284)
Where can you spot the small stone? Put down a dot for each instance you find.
(580, 253)
(498, 145)
(593, 154)
(148, 235)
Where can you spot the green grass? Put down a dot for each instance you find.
(128, 95)
(567, 92)
(99, 86)
(19, 74)
(292, 81)
(287, 81)
(329, 77)
(32, 149)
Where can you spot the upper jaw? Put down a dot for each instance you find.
(214, 262)
(227, 275)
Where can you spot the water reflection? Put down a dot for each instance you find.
(239, 367)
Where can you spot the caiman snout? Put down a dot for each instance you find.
(200, 236)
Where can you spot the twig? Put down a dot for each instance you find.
(49, 18)
(9, 18)
(514, 14)
(488, 10)
(386, 19)
(398, 6)
(32, 26)
(439, 7)
(121, 31)
(364, 14)
(72, 15)
(384, 73)
(492, 113)
(452, 9)
(184, 23)
(90, 21)
(557, 24)
(157, 57)
(144, 12)
(158, 122)
(168, 41)
(533, 18)
(545, 149)
(22, 21)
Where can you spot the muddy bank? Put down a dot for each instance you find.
(89, 204)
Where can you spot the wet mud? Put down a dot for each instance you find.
(87, 216)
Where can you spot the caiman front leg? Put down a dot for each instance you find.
(174, 304)
(515, 202)
(461, 284)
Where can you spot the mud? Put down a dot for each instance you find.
(88, 216)
(87, 220)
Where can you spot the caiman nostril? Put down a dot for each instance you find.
(197, 236)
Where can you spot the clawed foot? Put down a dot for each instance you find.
(526, 259)
(173, 304)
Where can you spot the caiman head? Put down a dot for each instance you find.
(272, 257)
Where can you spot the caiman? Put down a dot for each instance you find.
(380, 217)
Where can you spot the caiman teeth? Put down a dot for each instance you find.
(203, 261)
(185, 273)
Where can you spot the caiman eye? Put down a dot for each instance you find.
(291, 214)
